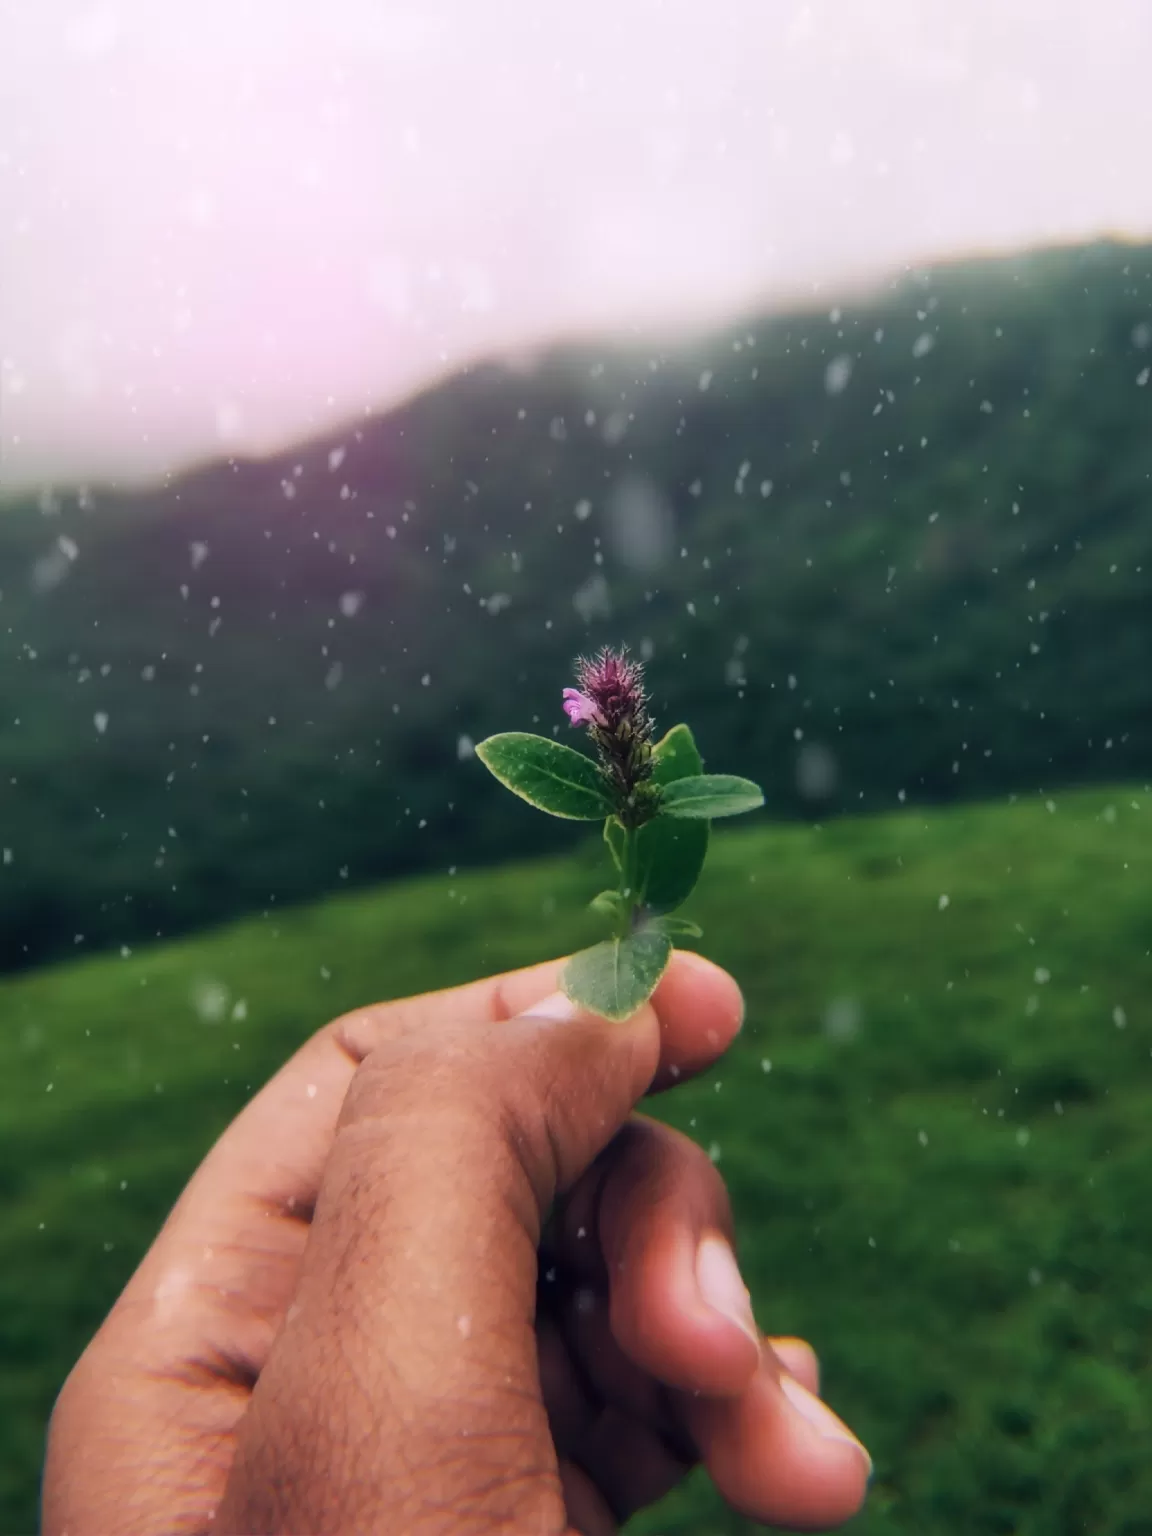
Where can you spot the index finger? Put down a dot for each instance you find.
(699, 1006)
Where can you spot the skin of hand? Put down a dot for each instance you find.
(438, 1277)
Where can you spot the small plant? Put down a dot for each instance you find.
(656, 803)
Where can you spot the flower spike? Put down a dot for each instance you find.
(612, 703)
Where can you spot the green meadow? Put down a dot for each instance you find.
(936, 1128)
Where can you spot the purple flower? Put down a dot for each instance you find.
(612, 703)
(580, 709)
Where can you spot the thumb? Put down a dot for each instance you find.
(403, 1389)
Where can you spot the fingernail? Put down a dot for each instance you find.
(722, 1286)
(819, 1415)
(558, 1006)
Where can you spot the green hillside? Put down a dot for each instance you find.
(898, 546)
(935, 1127)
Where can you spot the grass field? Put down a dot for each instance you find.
(936, 1127)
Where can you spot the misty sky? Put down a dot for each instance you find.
(228, 223)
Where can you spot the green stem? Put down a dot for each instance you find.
(629, 878)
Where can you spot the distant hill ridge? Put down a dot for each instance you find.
(899, 547)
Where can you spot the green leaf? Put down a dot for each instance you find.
(613, 905)
(550, 776)
(710, 795)
(677, 927)
(617, 977)
(676, 756)
(670, 853)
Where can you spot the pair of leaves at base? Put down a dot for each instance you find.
(618, 976)
(618, 908)
(615, 978)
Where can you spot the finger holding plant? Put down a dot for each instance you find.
(657, 804)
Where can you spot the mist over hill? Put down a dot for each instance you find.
(897, 549)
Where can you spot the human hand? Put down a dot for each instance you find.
(437, 1277)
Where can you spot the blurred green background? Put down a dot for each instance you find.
(889, 559)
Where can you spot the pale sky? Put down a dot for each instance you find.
(225, 224)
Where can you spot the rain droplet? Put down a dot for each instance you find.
(838, 373)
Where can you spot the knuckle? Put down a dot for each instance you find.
(659, 1169)
(445, 1066)
(364, 1030)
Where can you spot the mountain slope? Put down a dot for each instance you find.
(898, 547)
